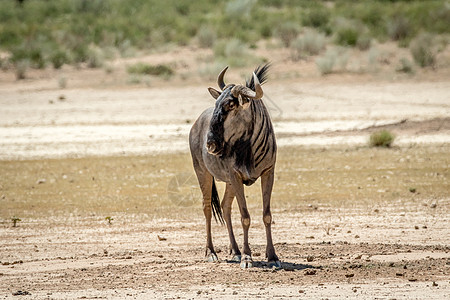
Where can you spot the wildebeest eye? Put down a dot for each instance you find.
(231, 105)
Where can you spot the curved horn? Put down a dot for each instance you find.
(247, 92)
(220, 81)
(258, 89)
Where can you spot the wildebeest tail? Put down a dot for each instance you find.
(261, 73)
(215, 203)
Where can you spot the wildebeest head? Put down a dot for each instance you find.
(231, 120)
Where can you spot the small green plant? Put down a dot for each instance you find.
(412, 189)
(109, 220)
(146, 69)
(15, 220)
(381, 138)
(422, 50)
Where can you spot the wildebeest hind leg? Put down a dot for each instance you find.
(266, 187)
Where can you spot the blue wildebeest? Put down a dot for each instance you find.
(234, 142)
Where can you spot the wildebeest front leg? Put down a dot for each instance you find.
(266, 187)
(238, 187)
(226, 208)
(206, 180)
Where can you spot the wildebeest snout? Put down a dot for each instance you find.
(212, 145)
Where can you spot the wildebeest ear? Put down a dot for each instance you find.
(243, 101)
(215, 93)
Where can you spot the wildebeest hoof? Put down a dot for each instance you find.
(212, 257)
(246, 262)
(274, 264)
(236, 258)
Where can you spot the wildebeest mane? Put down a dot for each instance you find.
(261, 73)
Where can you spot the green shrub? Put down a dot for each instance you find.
(326, 63)
(235, 48)
(398, 28)
(146, 69)
(236, 53)
(30, 53)
(381, 138)
(287, 32)
(21, 67)
(209, 71)
(59, 58)
(239, 8)
(364, 42)
(422, 50)
(206, 37)
(95, 57)
(347, 35)
(317, 17)
(311, 43)
(405, 66)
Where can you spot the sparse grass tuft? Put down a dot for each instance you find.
(62, 82)
(364, 42)
(405, 66)
(311, 43)
(234, 52)
(206, 37)
(146, 69)
(333, 57)
(381, 138)
(326, 63)
(422, 50)
(209, 71)
(287, 32)
(21, 67)
(95, 57)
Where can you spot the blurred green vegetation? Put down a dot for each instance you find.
(39, 33)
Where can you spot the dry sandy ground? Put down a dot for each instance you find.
(400, 250)
(98, 113)
(365, 255)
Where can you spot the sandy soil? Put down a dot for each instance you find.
(395, 249)
(364, 255)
